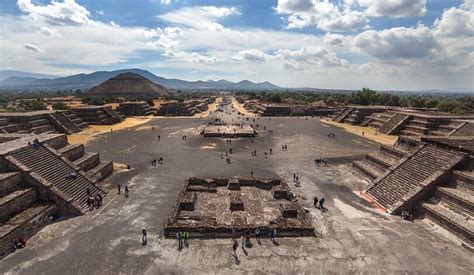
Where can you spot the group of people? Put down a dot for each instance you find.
(154, 161)
(331, 135)
(182, 238)
(19, 243)
(36, 144)
(323, 162)
(245, 239)
(321, 203)
(296, 178)
(284, 148)
(184, 137)
(94, 201)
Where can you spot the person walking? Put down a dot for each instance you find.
(234, 249)
(257, 234)
(185, 238)
(118, 187)
(315, 201)
(273, 234)
(126, 191)
(179, 236)
(144, 236)
(321, 203)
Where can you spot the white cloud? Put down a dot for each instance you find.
(396, 43)
(334, 39)
(164, 2)
(311, 55)
(200, 17)
(32, 47)
(324, 15)
(50, 31)
(394, 8)
(192, 57)
(57, 13)
(251, 55)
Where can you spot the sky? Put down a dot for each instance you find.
(337, 44)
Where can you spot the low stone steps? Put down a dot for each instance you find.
(101, 171)
(464, 179)
(459, 200)
(39, 122)
(54, 170)
(383, 160)
(42, 129)
(406, 180)
(87, 161)
(461, 225)
(368, 169)
(16, 201)
(9, 182)
(72, 151)
(24, 225)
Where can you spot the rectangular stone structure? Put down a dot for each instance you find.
(188, 201)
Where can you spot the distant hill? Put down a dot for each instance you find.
(4, 74)
(86, 81)
(128, 84)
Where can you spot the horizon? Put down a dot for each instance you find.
(400, 45)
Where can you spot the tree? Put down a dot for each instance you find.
(60, 106)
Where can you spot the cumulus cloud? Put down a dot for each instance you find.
(310, 55)
(251, 55)
(397, 43)
(57, 13)
(192, 57)
(32, 47)
(394, 8)
(199, 17)
(334, 39)
(324, 15)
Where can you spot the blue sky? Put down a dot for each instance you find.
(394, 44)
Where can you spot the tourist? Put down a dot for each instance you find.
(126, 191)
(321, 204)
(179, 236)
(315, 201)
(297, 179)
(257, 234)
(185, 238)
(144, 237)
(273, 233)
(99, 197)
(118, 187)
(271, 151)
(153, 129)
(265, 154)
(251, 174)
(294, 176)
(230, 150)
(159, 137)
(234, 249)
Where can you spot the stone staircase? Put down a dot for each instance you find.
(81, 124)
(60, 120)
(392, 125)
(413, 177)
(452, 206)
(53, 169)
(22, 213)
(342, 115)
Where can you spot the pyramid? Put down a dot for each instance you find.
(128, 84)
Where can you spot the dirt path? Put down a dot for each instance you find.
(240, 108)
(369, 133)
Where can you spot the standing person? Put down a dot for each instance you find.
(315, 201)
(273, 234)
(234, 249)
(185, 238)
(271, 151)
(251, 174)
(144, 237)
(294, 176)
(297, 178)
(257, 234)
(126, 191)
(179, 236)
(321, 203)
(159, 137)
(118, 187)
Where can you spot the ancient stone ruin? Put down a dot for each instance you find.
(212, 207)
(36, 182)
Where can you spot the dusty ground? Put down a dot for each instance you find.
(210, 108)
(93, 131)
(240, 108)
(351, 237)
(369, 133)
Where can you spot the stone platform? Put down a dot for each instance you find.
(228, 131)
(211, 207)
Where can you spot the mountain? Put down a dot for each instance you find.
(86, 81)
(128, 84)
(11, 73)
